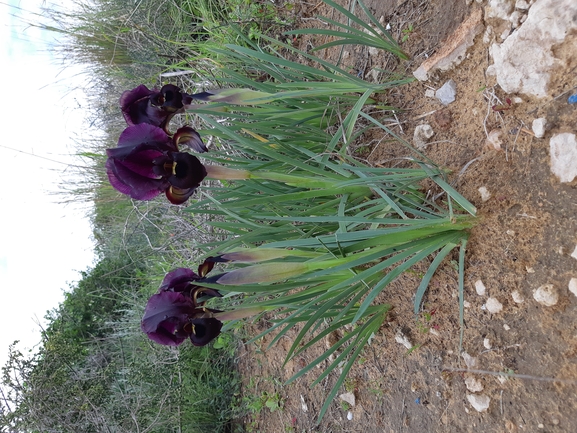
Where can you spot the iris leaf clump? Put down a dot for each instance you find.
(307, 233)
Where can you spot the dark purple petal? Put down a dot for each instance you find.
(177, 280)
(205, 267)
(171, 332)
(179, 195)
(137, 108)
(187, 136)
(204, 330)
(146, 133)
(166, 317)
(170, 98)
(153, 107)
(133, 102)
(170, 318)
(132, 183)
(131, 96)
(188, 171)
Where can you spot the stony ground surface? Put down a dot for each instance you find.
(524, 241)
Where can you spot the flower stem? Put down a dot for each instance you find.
(220, 172)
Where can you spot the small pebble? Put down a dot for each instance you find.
(488, 34)
(494, 306)
(402, 339)
(470, 361)
(529, 270)
(473, 384)
(506, 327)
(539, 126)
(348, 397)
(546, 295)
(517, 297)
(573, 286)
(494, 139)
(349, 415)
(487, 343)
(480, 402)
(574, 253)
(304, 405)
(485, 194)
(430, 93)
(480, 288)
(422, 135)
(447, 93)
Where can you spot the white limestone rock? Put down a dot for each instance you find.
(401, 338)
(524, 61)
(563, 154)
(470, 361)
(493, 140)
(539, 127)
(494, 306)
(422, 135)
(480, 288)
(485, 194)
(480, 402)
(573, 286)
(473, 384)
(499, 9)
(517, 297)
(546, 295)
(348, 397)
(447, 93)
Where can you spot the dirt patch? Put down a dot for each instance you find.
(526, 234)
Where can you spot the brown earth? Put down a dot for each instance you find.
(526, 233)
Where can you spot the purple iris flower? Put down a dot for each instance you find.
(156, 107)
(147, 162)
(171, 317)
(175, 312)
(142, 105)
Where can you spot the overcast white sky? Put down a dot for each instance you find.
(43, 243)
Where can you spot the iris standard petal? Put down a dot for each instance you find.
(133, 104)
(177, 280)
(146, 133)
(170, 98)
(142, 105)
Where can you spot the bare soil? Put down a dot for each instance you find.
(526, 233)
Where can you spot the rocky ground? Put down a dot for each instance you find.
(509, 138)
